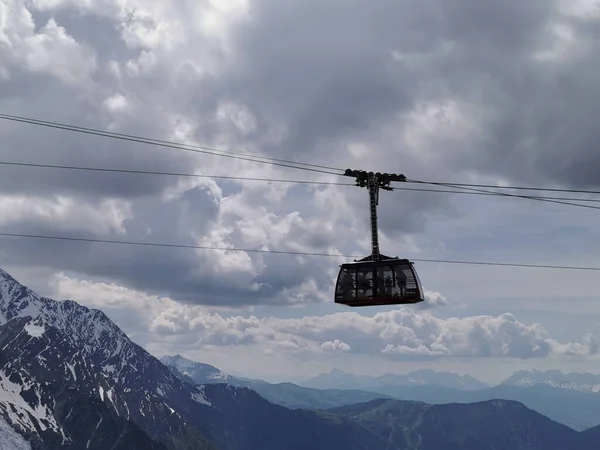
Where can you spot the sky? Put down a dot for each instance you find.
(496, 92)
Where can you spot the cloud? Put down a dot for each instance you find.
(103, 217)
(402, 334)
(432, 300)
(335, 346)
(48, 50)
(436, 90)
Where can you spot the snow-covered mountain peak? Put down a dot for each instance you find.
(53, 347)
(583, 382)
(91, 329)
(178, 361)
(200, 373)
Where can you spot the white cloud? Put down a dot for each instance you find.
(403, 333)
(104, 217)
(50, 50)
(335, 346)
(116, 103)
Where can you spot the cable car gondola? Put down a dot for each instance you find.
(377, 279)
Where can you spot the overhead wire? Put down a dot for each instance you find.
(504, 194)
(161, 173)
(283, 163)
(265, 159)
(520, 188)
(269, 180)
(287, 252)
(268, 160)
(179, 146)
(280, 180)
(493, 194)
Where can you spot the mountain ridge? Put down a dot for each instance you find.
(51, 346)
(508, 424)
(583, 382)
(286, 394)
(569, 407)
(343, 380)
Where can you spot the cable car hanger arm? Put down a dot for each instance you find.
(382, 180)
(373, 182)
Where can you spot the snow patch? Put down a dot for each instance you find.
(72, 369)
(200, 397)
(110, 394)
(10, 439)
(528, 381)
(219, 376)
(20, 413)
(34, 330)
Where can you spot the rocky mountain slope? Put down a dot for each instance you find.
(58, 354)
(10, 439)
(496, 424)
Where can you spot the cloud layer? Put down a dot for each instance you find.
(398, 334)
(465, 90)
(431, 89)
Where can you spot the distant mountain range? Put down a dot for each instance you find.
(337, 379)
(71, 379)
(570, 399)
(581, 382)
(398, 424)
(285, 394)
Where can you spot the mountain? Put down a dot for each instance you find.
(69, 377)
(581, 382)
(338, 379)
(592, 433)
(568, 399)
(285, 394)
(244, 420)
(575, 409)
(497, 424)
(297, 397)
(199, 372)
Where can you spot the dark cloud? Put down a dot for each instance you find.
(44, 145)
(183, 274)
(308, 79)
(329, 78)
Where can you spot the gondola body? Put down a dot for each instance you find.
(387, 281)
